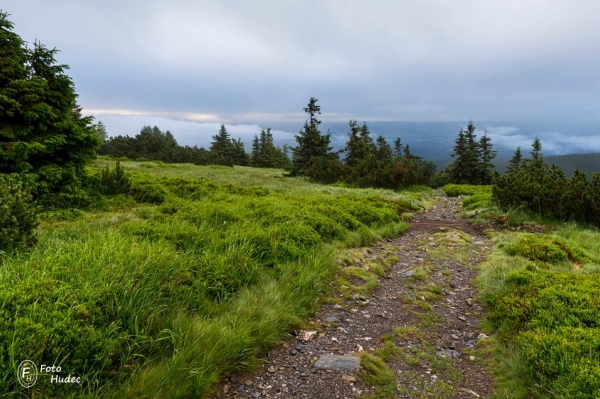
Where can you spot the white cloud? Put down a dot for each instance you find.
(553, 143)
(430, 60)
(186, 132)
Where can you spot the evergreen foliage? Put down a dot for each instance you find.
(153, 144)
(227, 151)
(312, 143)
(515, 162)
(265, 154)
(472, 158)
(115, 181)
(545, 190)
(222, 148)
(42, 131)
(487, 155)
(587, 163)
(18, 214)
(100, 132)
(148, 193)
(240, 157)
(371, 163)
(397, 148)
(412, 169)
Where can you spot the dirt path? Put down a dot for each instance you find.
(420, 326)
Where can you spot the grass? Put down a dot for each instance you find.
(543, 308)
(477, 201)
(359, 275)
(376, 372)
(165, 298)
(378, 368)
(544, 311)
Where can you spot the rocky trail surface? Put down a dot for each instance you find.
(417, 332)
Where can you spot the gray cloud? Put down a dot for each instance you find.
(237, 61)
(552, 142)
(188, 133)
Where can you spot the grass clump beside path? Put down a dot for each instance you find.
(544, 311)
(477, 198)
(164, 297)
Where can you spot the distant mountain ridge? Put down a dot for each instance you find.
(587, 163)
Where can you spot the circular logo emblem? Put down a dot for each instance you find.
(27, 373)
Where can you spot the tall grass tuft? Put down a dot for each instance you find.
(166, 296)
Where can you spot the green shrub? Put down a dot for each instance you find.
(148, 193)
(550, 194)
(454, 190)
(18, 214)
(565, 360)
(534, 247)
(478, 201)
(115, 181)
(554, 318)
(544, 248)
(327, 228)
(172, 298)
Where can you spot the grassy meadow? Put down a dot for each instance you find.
(541, 290)
(192, 278)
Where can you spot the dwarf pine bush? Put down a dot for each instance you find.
(18, 214)
(115, 181)
(541, 291)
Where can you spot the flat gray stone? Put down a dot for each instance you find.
(449, 353)
(408, 273)
(338, 362)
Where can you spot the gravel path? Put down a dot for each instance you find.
(425, 304)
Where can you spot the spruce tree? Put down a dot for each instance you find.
(264, 152)
(222, 149)
(487, 154)
(42, 131)
(383, 151)
(268, 151)
(384, 164)
(365, 134)
(238, 153)
(100, 131)
(397, 148)
(515, 162)
(311, 142)
(255, 154)
(457, 168)
(284, 157)
(536, 165)
(357, 148)
(536, 150)
(472, 158)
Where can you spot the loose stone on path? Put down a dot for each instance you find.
(338, 362)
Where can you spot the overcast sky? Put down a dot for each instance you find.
(184, 62)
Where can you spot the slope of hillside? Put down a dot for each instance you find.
(163, 293)
(587, 163)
